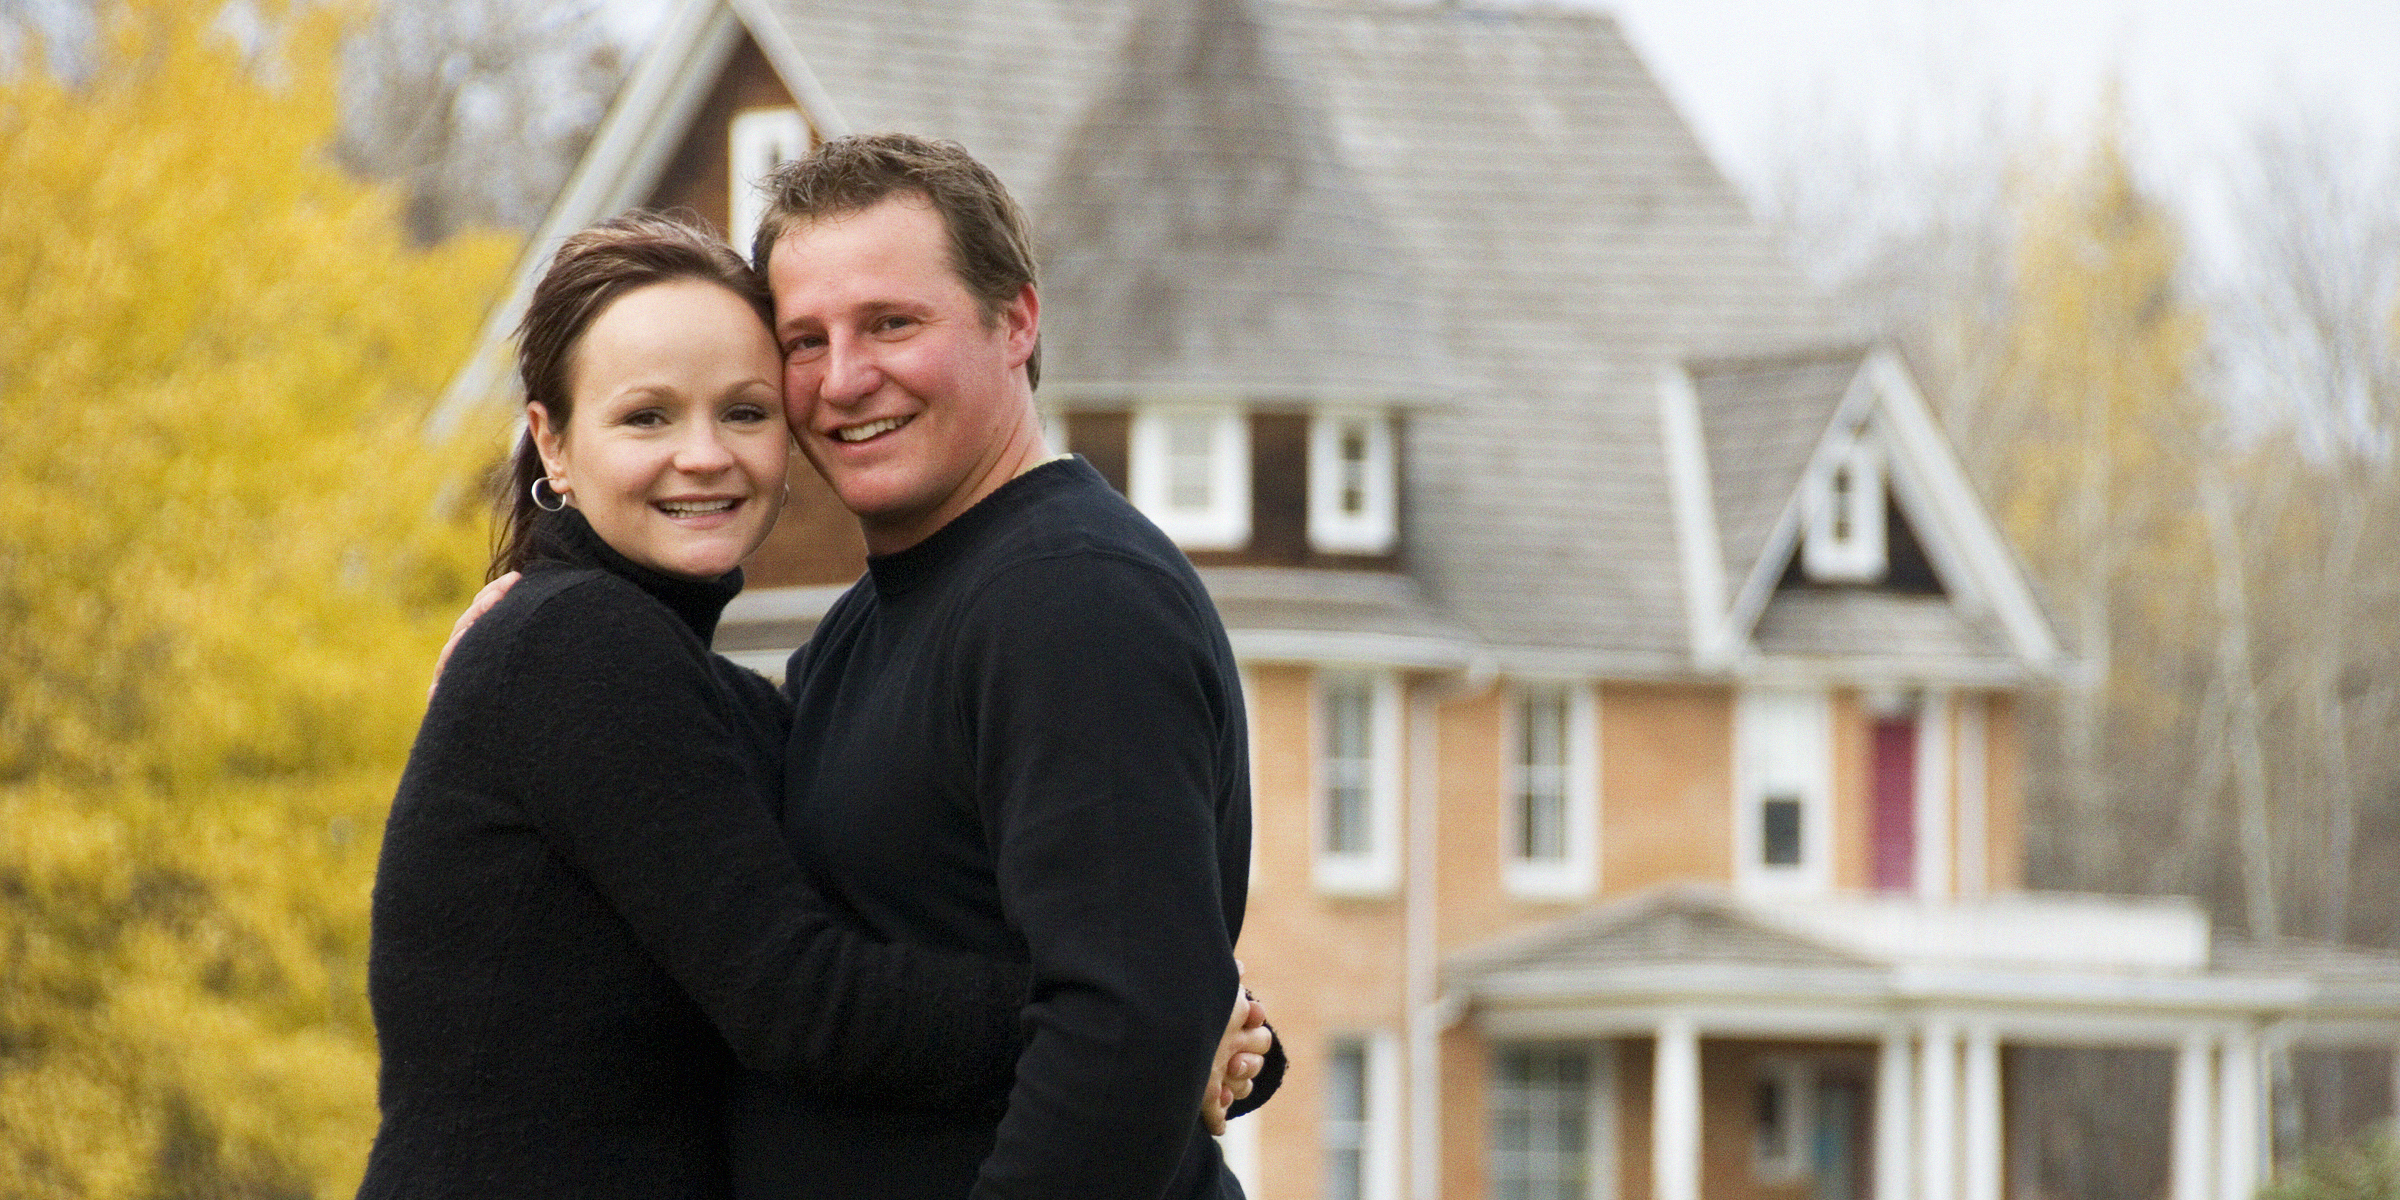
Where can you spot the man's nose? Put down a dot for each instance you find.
(851, 373)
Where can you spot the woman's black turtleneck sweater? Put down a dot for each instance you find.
(584, 914)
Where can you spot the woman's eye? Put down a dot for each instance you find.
(747, 414)
(648, 418)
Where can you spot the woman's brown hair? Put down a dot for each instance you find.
(591, 270)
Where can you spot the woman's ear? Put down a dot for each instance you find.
(549, 442)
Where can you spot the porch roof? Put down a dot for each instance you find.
(2038, 966)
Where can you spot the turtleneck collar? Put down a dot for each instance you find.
(895, 573)
(566, 537)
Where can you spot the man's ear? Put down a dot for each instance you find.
(1022, 318)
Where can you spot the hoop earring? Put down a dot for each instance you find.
(558, 498)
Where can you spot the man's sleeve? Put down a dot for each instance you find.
(1097, 704)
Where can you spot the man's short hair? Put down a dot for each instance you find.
(990, 248)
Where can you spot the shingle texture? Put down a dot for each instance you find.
(1761, 419)
(1496, 210)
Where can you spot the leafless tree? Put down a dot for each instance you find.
(479, 108)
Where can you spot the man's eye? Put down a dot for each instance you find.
(803, 347)
(890, 323)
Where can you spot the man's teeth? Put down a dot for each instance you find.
(696, 508)
(860, 433)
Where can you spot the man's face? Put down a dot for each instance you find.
(909, 403)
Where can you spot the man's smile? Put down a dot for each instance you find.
(860, 433)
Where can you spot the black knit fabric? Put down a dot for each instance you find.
(585, 913)
(1023, 737)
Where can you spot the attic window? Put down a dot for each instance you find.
(1351, 483)
(1845, 536)
(1191, 473)
(759, 141)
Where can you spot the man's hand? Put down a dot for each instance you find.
(483, 602)
(1240, 1057)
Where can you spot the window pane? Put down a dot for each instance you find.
(1541, 1123)
(1191, 461)
(1354, 468)
(1542, 777)
(1349, 756)
(1779, 840)
(1345, 1127)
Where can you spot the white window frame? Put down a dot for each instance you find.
(1575, 874)
(1374, 871)
(1223, 523)
(1845, 535)
(1794, 1161)
(1375, 528)
(1600, 1112)
(1783, 749)
(755, 142)
(1379, 1052)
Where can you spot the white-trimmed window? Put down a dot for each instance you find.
(1191, 473)
(1550, 821)
(1359, 1134)
(1357, 782)
(1783, 819)
(1352, 483)
(1553, 1114)
(759, 141)
(1845, 537)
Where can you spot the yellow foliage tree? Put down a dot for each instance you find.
(227, 557)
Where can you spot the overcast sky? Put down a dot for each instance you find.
(2196, 75)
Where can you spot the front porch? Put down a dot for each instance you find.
(1847, 1048)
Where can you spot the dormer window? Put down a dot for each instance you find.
(1351, 483)
(1191, 473)
(1845, 535)
(759, 141)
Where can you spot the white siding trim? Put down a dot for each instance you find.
(1696, 539)
(756, 141)
(1934, 854)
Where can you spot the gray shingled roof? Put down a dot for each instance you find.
(1562, 234)
(1201, 233)
(1846, 622)
(1760, 420)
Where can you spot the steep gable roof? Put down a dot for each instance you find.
(1749, 439)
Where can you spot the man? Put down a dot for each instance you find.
(1021, 734)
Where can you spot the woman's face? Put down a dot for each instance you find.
(677, 447)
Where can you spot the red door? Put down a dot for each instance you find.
(1895, 804)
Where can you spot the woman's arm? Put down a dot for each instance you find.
(632, 766)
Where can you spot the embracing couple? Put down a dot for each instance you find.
(951, 914)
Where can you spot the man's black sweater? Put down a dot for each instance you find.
(582, 888)
(1023, 737)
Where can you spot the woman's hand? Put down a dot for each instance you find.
(1240, 1057)
(481, 604)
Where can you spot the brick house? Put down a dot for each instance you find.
(1634, 675)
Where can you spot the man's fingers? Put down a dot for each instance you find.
(481, 604)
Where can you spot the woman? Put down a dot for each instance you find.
(585, 913)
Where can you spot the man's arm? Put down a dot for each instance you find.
(1099, 709)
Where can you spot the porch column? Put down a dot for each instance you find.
(1982, 1159)
(1937, 1106)
(2195, 1078)
(1895, 1113)
(2241, 1118)
(1675, 1111)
